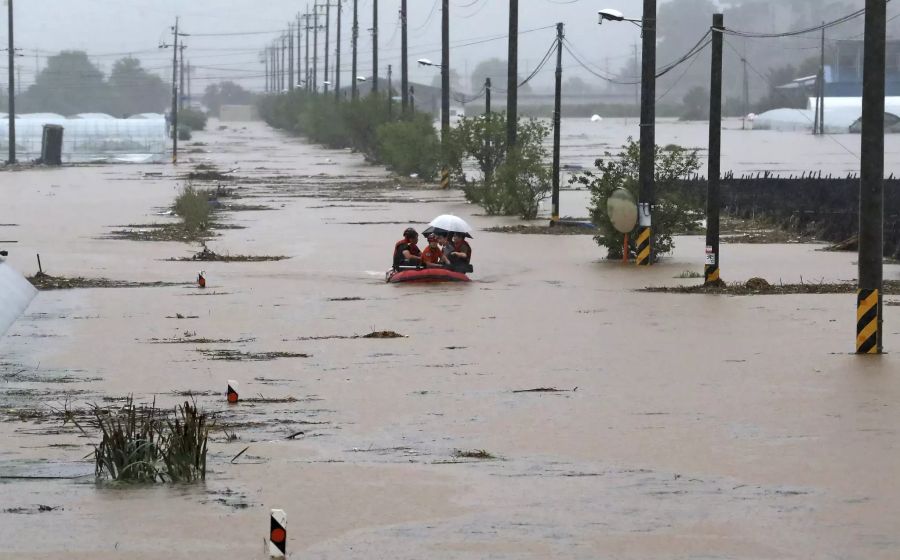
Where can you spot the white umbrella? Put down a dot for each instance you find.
(15, 294)
(449, 222)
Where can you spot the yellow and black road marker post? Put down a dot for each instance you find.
(868, 327)
(642, 241)
(278, 534)
(445, 178)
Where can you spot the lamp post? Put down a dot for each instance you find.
(646, 195)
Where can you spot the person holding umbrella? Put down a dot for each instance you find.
(460, 253)
(406, 251)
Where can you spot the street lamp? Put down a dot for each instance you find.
(425, 62)
(615, 15)
(646, 194)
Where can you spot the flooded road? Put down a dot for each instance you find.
(683, 426)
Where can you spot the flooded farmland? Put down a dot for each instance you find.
(548, 409)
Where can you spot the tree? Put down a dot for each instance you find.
(455, 81)
(134, 90)
(696, 104)
(576, 86)
(497, 70)
(511, 184)
(69, 84)
(226, 93)
(675, 211)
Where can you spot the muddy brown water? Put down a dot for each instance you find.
(701, 426)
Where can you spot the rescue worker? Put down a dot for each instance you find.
(460, 253)
(406, 251)
(433, 255)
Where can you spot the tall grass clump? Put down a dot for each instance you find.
(144, 445)
(192, 206)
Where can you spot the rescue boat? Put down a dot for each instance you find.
(425, 275)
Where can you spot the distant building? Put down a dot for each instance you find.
(846, 75)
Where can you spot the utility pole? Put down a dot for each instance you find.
(636, 72)
(445, 94)
(265, 57)
(746, 90)
(557, 112)
(374, 46)
(315, 69)
(299, 53)
(306, 34)
(12, 86)
(871, 185)
(512, 76)
(283, 63)
(821, 115)
(337, 60)
(290, 57)
(487, 96)
(355, 39)
(711, 269)
(181, 78)
(175, 92)
(412, 99)
(390, 95)
(404, 56)
(190, 71)
(646, 196)
(327, 39)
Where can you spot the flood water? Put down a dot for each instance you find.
(684, 426)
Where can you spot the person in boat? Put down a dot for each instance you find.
(460, 252)
(433, 256)
(406, 251)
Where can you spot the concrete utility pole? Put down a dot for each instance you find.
(871, 184)
(181, 78)
(646, 196)
(306, 34)
(315, 68)
(557, 113)
(390, 93)
(445, 94)
(300, 77)
(290, 57)
(354, 90)
(337, 54)
(12, 86)
(175, 93)
(404, 56)
(512, 76)
(327, 40)
(266, 62)
(822, 84)
(487, 96)
(711, 269)
(374, 46)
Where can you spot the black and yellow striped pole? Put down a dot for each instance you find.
(644, 232)
(711, 269)
(647, 170)
(871, 184)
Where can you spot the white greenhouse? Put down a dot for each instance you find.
(91, 137)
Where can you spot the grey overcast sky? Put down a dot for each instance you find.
(109, 29)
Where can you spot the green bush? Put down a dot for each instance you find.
(184, 132)
(194, 120)
(192, 206)
(410, 146)
(675, 210)
(511, 184)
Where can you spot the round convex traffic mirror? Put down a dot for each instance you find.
(622, 210)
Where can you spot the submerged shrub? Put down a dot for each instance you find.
(192, 206)
(143, 444)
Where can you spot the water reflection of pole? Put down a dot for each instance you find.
(711, 269)
(871, 184)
